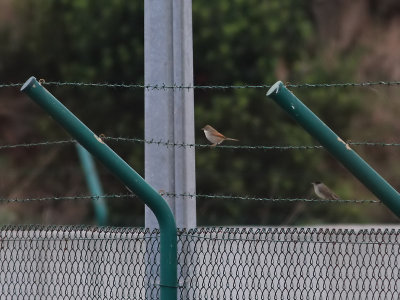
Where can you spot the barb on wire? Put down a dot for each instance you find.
(200, 196)
(204, 87)
(173, 144)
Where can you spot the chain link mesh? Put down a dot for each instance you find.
(60, 262)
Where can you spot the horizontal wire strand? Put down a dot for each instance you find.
(201, 196)
(220, 87)
(38, 144)
(172, 144)
(272, 199)
(205, 196)
(272, 240)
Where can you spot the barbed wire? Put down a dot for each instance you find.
(44, 143)
(183, 145)
(8, 85)
(204, 87)
(271, 199)
(201, 196)
(58, 198)
(173, 144)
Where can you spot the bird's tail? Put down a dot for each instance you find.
(229, 139)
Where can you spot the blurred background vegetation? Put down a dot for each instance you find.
(235, 42)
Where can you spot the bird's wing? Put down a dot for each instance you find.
(335, 197)
(325, 190)
(216, 133)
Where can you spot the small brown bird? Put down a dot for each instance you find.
(214, 136)
(323, 191)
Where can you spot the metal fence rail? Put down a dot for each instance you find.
(71, 262)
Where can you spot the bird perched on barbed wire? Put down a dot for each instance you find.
(323, 191)
(214, 136)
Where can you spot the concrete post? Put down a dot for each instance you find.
(169, 114)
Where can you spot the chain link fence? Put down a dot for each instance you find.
(60, 262)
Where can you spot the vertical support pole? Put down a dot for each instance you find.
(94, 185)
(169, 113)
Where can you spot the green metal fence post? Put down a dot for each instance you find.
(94, 144)
(94, 185)
(336, 146)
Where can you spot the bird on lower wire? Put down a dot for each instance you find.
(214, 136)
(323, 191)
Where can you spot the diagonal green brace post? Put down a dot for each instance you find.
(94, 144)
(336, 146)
